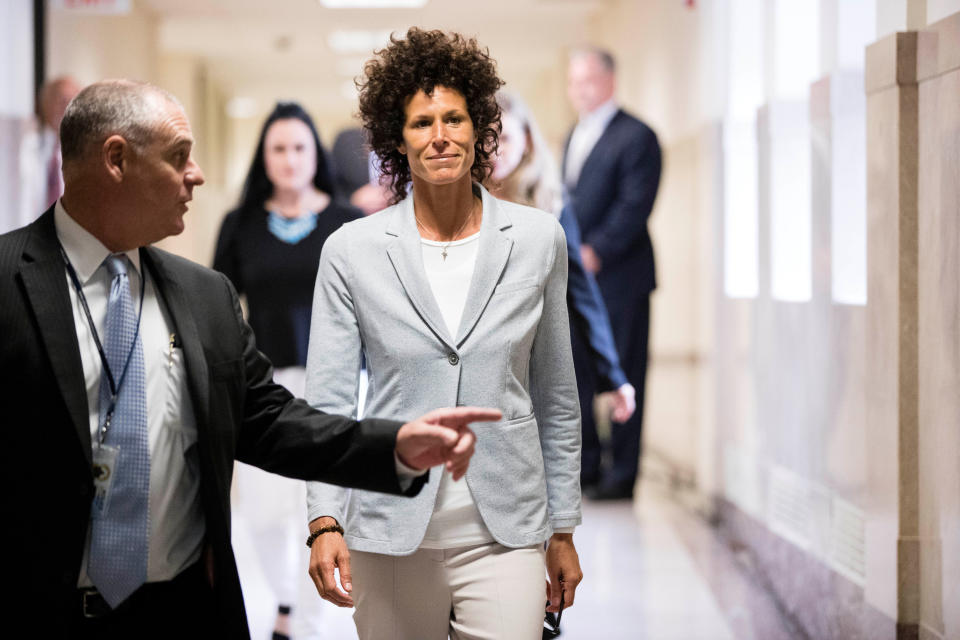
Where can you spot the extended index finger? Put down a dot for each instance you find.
(456, 416)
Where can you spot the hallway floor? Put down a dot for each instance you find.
(653, 571)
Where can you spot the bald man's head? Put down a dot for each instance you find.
(111, 107)
(128, 166)
(591, 79)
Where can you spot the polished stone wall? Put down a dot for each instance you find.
(792, 406)
(892, 548)
(820, 412)
(938, 330)
(838, 422)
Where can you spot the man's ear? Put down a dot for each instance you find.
(116, 157)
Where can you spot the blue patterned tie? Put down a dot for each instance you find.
(118, 540)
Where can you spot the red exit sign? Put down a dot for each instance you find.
(92, 6)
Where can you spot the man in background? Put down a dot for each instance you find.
(611, 171)
(40, 152)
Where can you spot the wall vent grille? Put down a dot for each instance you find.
(847, 541)
(790, 506)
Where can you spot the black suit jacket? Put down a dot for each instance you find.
(241, 414)
(612, 200)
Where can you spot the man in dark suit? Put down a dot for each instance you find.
(130, 383)
(611, 170)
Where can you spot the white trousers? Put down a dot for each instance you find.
(272, 508)
(481, 592)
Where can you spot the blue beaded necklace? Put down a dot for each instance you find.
(292, 230)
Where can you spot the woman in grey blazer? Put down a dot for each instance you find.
(452, 297)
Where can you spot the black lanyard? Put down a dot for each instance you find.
(115, 385)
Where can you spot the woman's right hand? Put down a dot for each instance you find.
(329, 552)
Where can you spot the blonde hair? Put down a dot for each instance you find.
(536, 180)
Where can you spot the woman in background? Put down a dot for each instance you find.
(269, 247)
(525, 172)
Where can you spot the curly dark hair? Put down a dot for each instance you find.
(257, 188)
(421, 61)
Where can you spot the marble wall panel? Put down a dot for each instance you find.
(827, 605)
(736, 406)
(795, 460)
(939, 320)
(835, 364)
(884, 193)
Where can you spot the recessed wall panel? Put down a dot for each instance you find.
(796, 47)
(740, 210)
(848, 225)
(790, 276)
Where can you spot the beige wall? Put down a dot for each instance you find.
(92, 47)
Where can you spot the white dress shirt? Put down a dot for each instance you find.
(455, 522)
(584, 138)
(176, 523)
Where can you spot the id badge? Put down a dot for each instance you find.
(105, 460)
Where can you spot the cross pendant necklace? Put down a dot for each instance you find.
(443, 251)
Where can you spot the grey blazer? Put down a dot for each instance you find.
(512, 351)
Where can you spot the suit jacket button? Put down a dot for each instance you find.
(453, 358)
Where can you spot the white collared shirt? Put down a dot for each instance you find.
(176, 523)
(584, 138)
(455, 522)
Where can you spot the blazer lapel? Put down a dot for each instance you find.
(406, 254)
(172, 295)
(603, 145)
(492, 257)
(45, 281)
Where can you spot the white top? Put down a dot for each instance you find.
(455, 522)
(584, 138)
(177, 525)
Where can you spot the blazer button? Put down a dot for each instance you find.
(453, 359)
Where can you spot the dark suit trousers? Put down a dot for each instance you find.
(183, 608)
(617, 461)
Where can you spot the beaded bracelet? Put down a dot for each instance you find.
(334, 528)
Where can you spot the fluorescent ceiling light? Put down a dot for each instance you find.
(372, 4)
(357, 41)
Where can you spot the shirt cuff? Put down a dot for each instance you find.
(405, 474)
(563, 529)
